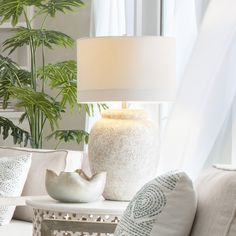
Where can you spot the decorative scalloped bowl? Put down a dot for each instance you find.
(75, 187)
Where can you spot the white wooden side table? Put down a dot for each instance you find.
(51, 217)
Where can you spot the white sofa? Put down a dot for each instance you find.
(216, 190)
(57, 160)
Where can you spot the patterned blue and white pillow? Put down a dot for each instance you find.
(13, 174)
(165, 206)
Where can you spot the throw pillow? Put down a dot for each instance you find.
(13, 174)
(165, 206)
(216, 211)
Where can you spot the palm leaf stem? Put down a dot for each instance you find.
(58, 143)
(40, 12)
(43, 120)
(35, 125)
(32, 55)
(44, 20)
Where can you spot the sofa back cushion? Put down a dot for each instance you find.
(165, 206)
(56, 160)
(216, 211)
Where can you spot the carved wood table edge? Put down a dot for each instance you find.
(51, 217)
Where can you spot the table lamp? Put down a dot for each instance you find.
(124, 143)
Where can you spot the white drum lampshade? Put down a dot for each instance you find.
(124, 143)
(126, 69)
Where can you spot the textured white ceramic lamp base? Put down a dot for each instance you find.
(124, 143)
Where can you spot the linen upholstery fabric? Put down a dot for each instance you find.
(56, 160)
(17, 228)
(13, 174)
(216, 188)
(165, 206)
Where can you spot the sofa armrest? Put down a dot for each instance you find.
(16, 201)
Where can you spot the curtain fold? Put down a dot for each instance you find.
(180, 20)
(108, 18)
(205, 94)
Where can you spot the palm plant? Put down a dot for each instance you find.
(27, 88)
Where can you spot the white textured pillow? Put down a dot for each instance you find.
(13, 174)
(165, 206)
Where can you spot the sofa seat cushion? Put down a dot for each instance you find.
(216, 211)
(16, 227)
(164, 206)
(56, 160)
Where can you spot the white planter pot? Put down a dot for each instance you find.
(124, 143)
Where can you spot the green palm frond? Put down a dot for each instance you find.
(13, 72)
(12, 9)
(40, 37)
(23, 77)
(62, 76)
(23, 117)
(8, 68)
(32, 101)
(7, 127)
(11, 75)
(53, 6)
(70, 135)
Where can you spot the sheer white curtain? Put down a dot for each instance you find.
(108, 18)
(207, 83)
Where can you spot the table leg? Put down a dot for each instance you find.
(45, 229)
